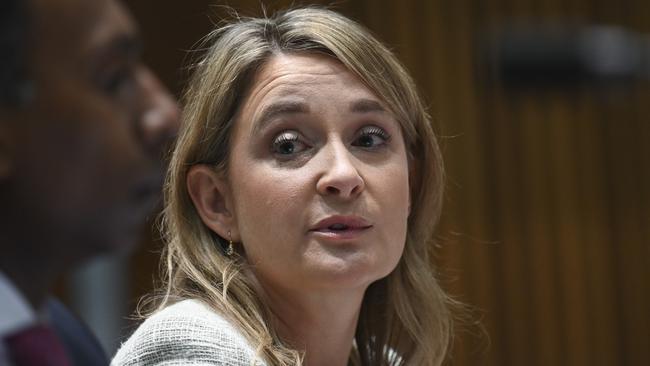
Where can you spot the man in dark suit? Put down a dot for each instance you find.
(82, 126)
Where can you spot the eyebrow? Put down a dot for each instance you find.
(366, 106)
(278, 109)
(123, 45)
(296, 107)
(129, 44)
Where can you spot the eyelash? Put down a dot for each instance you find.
(293, 137)
(115, 79)
(282, 138)
(375, 131)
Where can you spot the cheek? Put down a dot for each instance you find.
(390, 186)
(393, 197)
(267, 203)
(397, 192)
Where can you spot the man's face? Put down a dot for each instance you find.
(85, 153)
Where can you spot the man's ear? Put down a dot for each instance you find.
(212, 198)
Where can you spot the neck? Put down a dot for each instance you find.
(320, 324)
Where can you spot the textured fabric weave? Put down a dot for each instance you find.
(186, 333)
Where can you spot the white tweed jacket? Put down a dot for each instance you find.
(186, 333)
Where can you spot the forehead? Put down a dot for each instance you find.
(63, 28)
(300, 84)
(304, 77)
(287, 70)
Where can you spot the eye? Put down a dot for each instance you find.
(114, 83)
(371, 137)
(116, 78)
(288, 143)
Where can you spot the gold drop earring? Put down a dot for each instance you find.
(230, 250)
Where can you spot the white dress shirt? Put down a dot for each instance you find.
(15, 313)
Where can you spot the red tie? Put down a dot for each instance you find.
(36, 346)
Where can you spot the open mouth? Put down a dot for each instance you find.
(338, 227)
(341, 227)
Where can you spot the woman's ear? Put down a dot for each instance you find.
(211, 196)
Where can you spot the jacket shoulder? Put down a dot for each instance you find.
(186, 333)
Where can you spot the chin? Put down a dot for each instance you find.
(352, 274)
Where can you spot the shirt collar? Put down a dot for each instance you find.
(15, 311)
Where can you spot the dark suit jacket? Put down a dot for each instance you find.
(81, 345)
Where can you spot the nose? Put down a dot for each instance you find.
(159, 113)
(341, 177)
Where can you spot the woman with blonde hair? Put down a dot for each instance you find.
(300, 205)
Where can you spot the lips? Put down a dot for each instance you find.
(341, 227)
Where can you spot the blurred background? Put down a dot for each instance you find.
(546, 227)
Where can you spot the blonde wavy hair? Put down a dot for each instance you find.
(405, 318)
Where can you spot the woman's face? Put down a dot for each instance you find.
(318, 177)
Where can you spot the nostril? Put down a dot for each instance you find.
(332, 190)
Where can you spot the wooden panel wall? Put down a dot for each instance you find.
(546, 229)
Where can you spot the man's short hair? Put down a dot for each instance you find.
(13, 50)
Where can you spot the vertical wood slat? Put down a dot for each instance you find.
(505, 323)
(639, 21)
(479, 253)
(574, 341)
(642, 249)
(629, 264)
(539, 237)
(571, 344)
(512, 334)
(542, 236)
(633, 257)
(440, 84)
